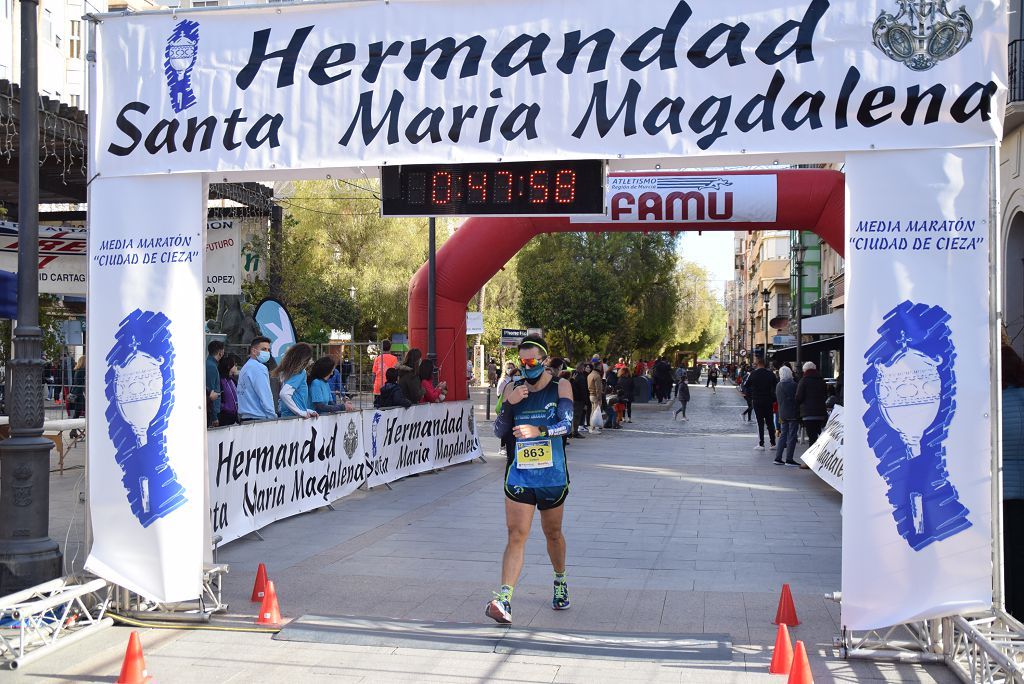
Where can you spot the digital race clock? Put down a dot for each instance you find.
(546, 188)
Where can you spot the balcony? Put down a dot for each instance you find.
(1015, 96)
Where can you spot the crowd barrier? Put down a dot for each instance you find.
(263, 472)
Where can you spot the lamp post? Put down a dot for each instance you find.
(765, 297)
(751, 347)
(798, 252)
(27, 554)
(352, 334)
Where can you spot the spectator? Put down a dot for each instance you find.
(255, 400)
(227, 369)
(1013, 479)
(579, 399)
(492, 373)
(595, 389)
(431, 394)
(391, 393)
(662, 373)
(294, 397)
(383, 361)
(346, 372)
(761, 386)
(511, 373)
(76, 399)
(626, 387)
(789, 417)
(216, 353)
(810, 397)
(320, 396)
(334, 384)
(409, 375)
(611, 377)
(683, 397)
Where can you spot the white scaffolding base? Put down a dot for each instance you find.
(41, 619)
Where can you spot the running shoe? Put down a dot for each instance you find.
(560, 600)
(499, 610)
(793, 463)
(778, 462)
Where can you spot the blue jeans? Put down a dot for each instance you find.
(787, 440)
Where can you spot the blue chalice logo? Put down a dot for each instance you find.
(179, 60)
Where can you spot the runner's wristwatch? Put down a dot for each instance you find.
(543, 429)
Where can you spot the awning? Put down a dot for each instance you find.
(829, 324)
(809, 350)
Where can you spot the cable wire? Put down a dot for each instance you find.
(186, 626)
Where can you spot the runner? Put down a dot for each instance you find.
(534, 410)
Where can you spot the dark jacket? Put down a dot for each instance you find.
(578, 381)
(409, 381)
(391, 395)
(626, 388)
(682, 391)
(810, 396)
(761, 386)
(785, 394)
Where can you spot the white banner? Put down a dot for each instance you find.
(364, 84)
(147, 417)
(672, 198)
(262, 472)
(825, 456)
(62, 268)
(223, 262)
(917, 523)
(418, 439)
(61, 257)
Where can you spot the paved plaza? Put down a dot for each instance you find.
(673, 528)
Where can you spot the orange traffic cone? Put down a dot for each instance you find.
(270, 612)
(782, 656)
(133, 670)
(800, 670)
(260, 587)
(786, 614)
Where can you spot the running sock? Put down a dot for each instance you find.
(505, 593)
(560, 577)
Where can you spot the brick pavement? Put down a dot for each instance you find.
(672, 527)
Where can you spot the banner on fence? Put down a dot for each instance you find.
(418, 439)
(262, 472)
(223, 261)
(414, 82)
(917, 523)
(825, 456)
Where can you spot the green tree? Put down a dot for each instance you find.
(335, 239)
(700, 316)
(564, 290)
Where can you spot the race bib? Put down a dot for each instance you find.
(532, 454)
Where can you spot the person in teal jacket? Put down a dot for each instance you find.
(321, 397)
(294, 397)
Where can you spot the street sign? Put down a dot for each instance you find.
(511, 337)
(543, 188)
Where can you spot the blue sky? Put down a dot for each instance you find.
(713, 251)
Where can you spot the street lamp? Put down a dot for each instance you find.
(766, 296)
(352, 339)
(798, 252)
(751, 347)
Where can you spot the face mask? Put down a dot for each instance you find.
(263, 356)
(532, 375)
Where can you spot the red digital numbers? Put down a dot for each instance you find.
(565, 186)
(441, 188)
(477, 187)
(503, 187)
(538, 187)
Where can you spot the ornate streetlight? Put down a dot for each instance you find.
(798, 252)
(765, 297)
(27, 554)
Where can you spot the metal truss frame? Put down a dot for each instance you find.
(979, 648)
(49, 616)
(210, 601)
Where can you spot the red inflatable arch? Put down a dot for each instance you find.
(808, 199)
